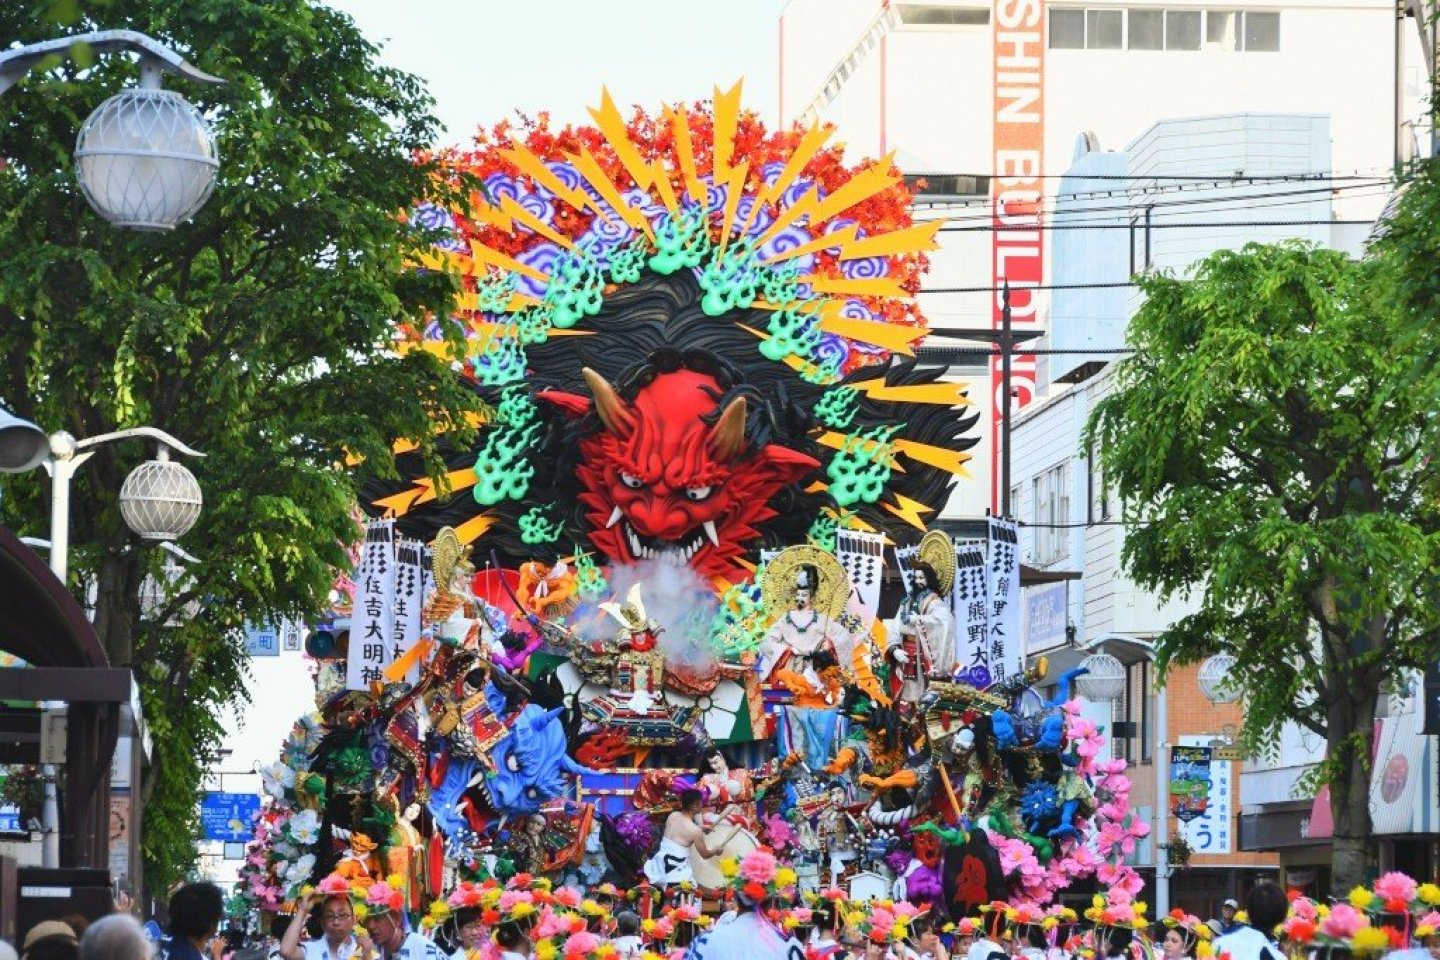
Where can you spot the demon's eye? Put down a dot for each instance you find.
(532, 793)
(631, 481)
(696, 494)
(512, 763)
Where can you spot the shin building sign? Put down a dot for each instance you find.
(1017, 247)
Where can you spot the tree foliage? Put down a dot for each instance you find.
(1272, 440)
(259, 334)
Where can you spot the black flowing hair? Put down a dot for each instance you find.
(654, 326)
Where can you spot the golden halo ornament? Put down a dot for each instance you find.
(777, 588)
(937, 552)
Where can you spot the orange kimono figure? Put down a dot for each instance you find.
(359, 862)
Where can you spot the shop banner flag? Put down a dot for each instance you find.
(372, 625)
(409, 597)
(971, 601)
(863, 557)
(1189, 782)
(1002, 559)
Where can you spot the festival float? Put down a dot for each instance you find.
(693, 548)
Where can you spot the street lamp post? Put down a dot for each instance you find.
(162, 504)
(1106, 684)
(145, 158)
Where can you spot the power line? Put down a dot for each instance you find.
(1021, 350)
(1243, 201)
(992, 228)
(1206, 177)
(1179, 188)
(1026, 286)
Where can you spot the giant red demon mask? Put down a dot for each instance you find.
(659, 482)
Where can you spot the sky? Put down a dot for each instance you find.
(484, 59)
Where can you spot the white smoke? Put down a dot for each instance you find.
(675, 597)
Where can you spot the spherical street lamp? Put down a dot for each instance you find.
(161, 499)
(146, 159)
(1217, 680)
(1105, 681)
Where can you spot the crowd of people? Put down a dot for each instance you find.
(759, 915)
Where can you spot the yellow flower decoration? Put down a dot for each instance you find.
(1098, 902)
(395, 881)
(1241, 917)
(790, 923)
(1140, 907)
(522, 910)
(730, 868)
(1360, 898)
(427, 921)
(1429, 893)
(361, 911)
(785, 877)
(1204, 949)
(1049, 923)
(1203, 931)
(440, 909)
(648, 925)
(855, 918)
(1369, 940)
(307, 889)
(1424, 930)
(545, 950)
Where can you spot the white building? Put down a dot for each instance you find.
(963, 92)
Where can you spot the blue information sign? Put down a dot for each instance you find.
(229, 816)
(262, 641)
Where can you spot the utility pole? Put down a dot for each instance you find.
(1007, 350)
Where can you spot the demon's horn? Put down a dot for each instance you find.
(728, 435)
(611, 409)
(540, 721)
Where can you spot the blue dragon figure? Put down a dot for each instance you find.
(527, 768)
(1033, 721)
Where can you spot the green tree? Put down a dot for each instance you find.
(260, 334)
(1273, 450)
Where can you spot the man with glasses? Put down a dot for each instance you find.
(338, 941)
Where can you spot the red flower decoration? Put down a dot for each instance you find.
(753, 890)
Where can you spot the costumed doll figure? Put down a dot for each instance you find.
(799, 651)
(727, 791)
(922, 637)
(635, 703)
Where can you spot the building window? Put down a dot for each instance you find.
(948, 184)
(1147, 30)
(1220, 30)
(941, 15)
(1182, 29)
(1052, 514)
(1262, 31)
(1099, 28)
(1067, 29)
(1104, 29)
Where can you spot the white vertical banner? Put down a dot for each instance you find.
(863, 557)
(1002, 542)
(409, 597)
(970, 598)
(1209, 833)
(372, 624)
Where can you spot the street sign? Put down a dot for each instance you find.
(228, 816)
(262, 640)
(234, 851)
